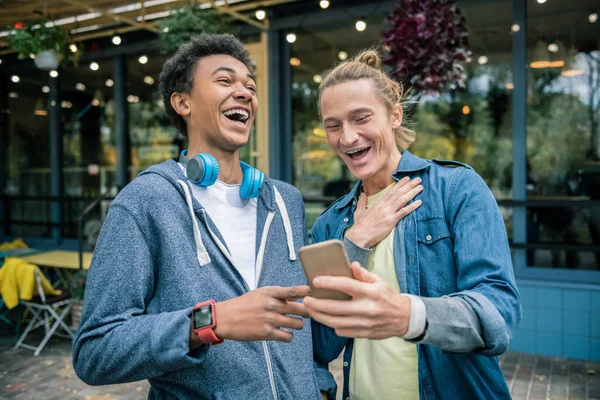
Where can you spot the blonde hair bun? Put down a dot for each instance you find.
(370, 58)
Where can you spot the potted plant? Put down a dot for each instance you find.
(190, 21)
(42, 38)
(77, 291)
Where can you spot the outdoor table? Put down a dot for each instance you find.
(64, 262)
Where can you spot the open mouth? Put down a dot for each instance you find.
(237, 115)
(358, 153)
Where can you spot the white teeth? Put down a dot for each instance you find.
(243, 113)
(356, 151)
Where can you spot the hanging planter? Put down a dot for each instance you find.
(43, 39)
(187, 22)
(47, 60)
(428, 42)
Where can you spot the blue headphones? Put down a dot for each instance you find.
(203, 170)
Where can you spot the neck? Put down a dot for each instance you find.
(230, 171)
(383, 178)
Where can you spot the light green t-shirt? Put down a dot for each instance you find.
(384, 369)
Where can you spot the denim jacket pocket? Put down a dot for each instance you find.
(432, 230)
(436, 259)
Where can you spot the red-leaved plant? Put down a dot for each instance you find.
(428, 41)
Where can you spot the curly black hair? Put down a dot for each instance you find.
(178, 72)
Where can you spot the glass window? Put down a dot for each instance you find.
(317, 171)
(87, 115)
(474, 125)
(471, 125)
(153, 138)
(27, 157)
(563, 135)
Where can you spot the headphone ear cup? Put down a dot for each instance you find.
(251, 183)
(202, 170)
(258, 182)
(211, 169)
(247, 182)
(194, 170)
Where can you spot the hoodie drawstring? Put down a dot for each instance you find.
(203, 257)
(287, 226)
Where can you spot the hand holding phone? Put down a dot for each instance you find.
(325, 258)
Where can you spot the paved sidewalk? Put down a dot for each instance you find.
(534, 378)
(50, 376)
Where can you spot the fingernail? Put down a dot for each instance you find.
(418, 180)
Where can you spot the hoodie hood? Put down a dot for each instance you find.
(269, 197)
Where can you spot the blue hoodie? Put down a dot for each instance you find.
(157, 256)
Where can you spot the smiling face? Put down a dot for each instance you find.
(221, 107)
(360, 128)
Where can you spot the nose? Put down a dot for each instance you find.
(349, 136)
(243, 94)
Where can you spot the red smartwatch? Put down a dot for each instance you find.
(204, 319)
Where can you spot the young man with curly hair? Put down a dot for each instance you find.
(195, 279)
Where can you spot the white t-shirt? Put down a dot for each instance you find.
(235, 219)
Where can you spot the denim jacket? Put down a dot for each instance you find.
(455, 256)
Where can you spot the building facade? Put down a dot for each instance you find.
(527, 121)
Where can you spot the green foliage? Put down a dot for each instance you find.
(315, 162)
(482, 138)
(78, 284)
(40, 35)
(187, 22)
(558, 137)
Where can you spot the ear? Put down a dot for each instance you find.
(179, 102)
(396, 115)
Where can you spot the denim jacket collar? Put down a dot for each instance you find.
(408, 163)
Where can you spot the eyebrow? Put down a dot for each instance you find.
(360, 110)
(232, 71)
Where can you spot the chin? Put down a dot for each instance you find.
(234, 140)
(237, 144)
(361, 173)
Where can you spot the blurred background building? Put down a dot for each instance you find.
(527, 120)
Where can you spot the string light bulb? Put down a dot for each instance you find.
(360, 25)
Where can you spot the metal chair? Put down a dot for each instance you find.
(44, 310)
(5, 319)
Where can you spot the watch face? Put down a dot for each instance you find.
(203, 317)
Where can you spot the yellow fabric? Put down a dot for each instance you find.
(17, 281)
(384, 369)
(15, 244)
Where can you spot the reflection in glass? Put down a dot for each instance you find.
(471, 125)
(563, 136)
